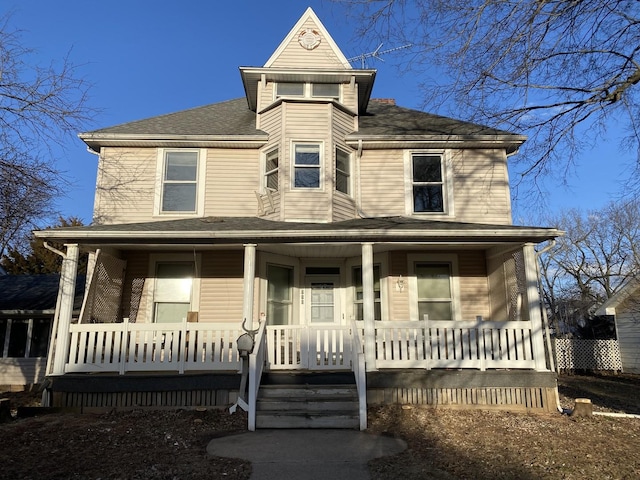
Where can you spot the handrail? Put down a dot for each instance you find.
(358, 366)
(256, 366)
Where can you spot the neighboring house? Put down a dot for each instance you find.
(27, 307)
(369, 236)
(625, 307)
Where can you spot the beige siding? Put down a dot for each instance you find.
(480, 185)
(22, 371)
(221, 287)
(232, 180)
(307, 123)
(481, 190)
(271, 122)
(474, 288)
(125, 185)
(294, 55)
(350, 97)
(343, 207)
(382, 182)
(628, 328)
(398, 301)
(266, 96)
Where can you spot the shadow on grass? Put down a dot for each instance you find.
(609, 392)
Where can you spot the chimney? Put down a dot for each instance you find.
(388, 101)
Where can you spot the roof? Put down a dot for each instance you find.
(229, 120)
(233, 121)
(627, 291)
(238, 230)
(34, 293)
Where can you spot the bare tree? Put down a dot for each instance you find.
(596, 257)
(39, 108)
(562, 72)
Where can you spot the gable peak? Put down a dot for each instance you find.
(308, 40)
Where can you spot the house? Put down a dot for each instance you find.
(625, 308)
(27, 307)
(366, 245)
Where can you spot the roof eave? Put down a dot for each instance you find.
(288, 236)
(510, 143)
(97, 140)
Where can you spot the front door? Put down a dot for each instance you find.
(322, 300)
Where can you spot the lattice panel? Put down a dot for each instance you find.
(579, 354)
(103, 299)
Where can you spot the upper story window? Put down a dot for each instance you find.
(325, 90)
(181, 181)
(306, 165)
(271, 161)
(308, 90)
(290, 89)
(343, 171)
(428, 185)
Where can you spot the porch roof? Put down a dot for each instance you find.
(239, 230)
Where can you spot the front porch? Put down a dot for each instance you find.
(371, 307)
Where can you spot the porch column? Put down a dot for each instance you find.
(249, 280)
(368, 306)
(60, 338)
(533, 304)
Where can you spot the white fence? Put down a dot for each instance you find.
(454, 344)
(580, 354)
(315, 348)
(126, 347)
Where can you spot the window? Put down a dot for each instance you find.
(343, 171)
(435, 299)
(179, 181)
(325, 90)
(306, 166)
(24, 337)
(290, 90)
(271, 170)
(428, 185)
(172, 291)
(308, 90)
(279, 294)
(358, 309)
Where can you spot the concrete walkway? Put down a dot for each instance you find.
(306, 454)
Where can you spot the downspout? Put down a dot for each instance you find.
(359, 185)
(545, 320)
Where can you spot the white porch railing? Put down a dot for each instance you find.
(126, 347)
(313, 348)
(454, 344)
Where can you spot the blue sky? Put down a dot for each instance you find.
(150, 57)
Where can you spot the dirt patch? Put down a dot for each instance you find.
(443, 444)
(139, 444)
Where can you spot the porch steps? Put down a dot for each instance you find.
(316, 405)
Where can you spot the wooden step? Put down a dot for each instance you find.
(307, 406)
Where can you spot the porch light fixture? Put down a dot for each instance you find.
(400, 283)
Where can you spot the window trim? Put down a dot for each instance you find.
(434, 258)
(320, 167)
(200, 182)
(308, 91)
(156, 258)
(447, 182)
(348, 174)
(265, 174)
